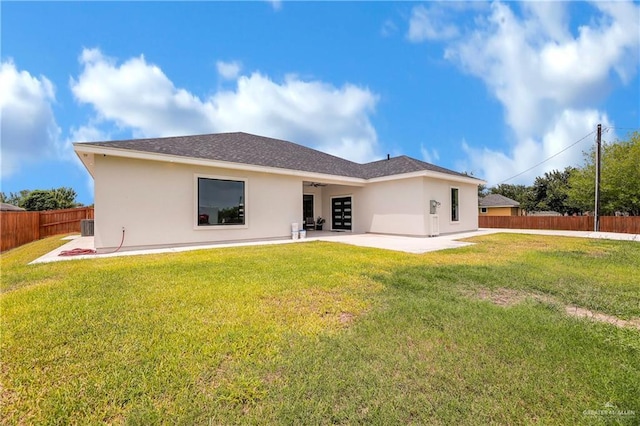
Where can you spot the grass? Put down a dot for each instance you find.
(322, 333)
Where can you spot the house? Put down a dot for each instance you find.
(5, 207)
(240, 187)
(498, 205)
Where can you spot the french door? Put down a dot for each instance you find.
(341, 213)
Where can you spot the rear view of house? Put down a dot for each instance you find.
(242, 187)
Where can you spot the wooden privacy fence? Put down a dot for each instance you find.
(19, 228)
(623, 224)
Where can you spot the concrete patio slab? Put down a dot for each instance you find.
(414, 245)
(399, 243)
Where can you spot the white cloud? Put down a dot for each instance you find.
(88, 133)
(276, 4)
(547, 79)
(388, 28)
(550, 20)
(430, 24)
(496, 166)
(429, 155)
(29, 129)
(228, 70)
(137, 95)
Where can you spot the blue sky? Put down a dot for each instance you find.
(488, 88)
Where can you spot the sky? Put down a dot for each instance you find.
(487, 88)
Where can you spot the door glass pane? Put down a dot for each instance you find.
(455, 216)
(307, 206)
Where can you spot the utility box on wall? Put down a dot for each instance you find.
(433, 207)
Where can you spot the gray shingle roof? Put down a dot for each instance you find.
(5, 207)
(497, 200)
(399, 165)
(251, 149)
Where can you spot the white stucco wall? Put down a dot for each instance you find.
(401, 206)
(468, 205)
(359, 222)
(156, 204)
(395, 207)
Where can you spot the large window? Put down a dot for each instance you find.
(455, 205)
(220, 202)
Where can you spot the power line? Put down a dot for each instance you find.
(621, 128)
(547, 159)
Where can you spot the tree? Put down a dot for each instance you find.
(40, 199)
(64, 197)
(619, 180)
(519, 193)
(550, 192)
(14, 198)
(482, 190)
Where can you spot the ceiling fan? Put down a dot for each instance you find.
(315, 184)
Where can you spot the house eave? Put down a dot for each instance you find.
(428, 174)
(87, 160)
(87, 152)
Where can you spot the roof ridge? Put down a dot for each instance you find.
(165, 137)
(297, 145)
(498, 198)
(418, 162)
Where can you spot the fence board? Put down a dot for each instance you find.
(56, 222)
(622, 224)
(19, 228)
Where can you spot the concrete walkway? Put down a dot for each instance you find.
(578, 234)
(388, 242)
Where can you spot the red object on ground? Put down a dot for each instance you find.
(77, 252)
(81, 251)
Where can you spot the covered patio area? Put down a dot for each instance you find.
(332, 203)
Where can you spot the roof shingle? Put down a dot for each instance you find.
(497, 200)
(251, 149)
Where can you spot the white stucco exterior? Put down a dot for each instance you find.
(401, 206)
(156, 204)
(395, 207)
(154, 200)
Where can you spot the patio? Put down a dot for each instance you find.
(387, 242)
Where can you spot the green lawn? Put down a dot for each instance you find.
(323, 333)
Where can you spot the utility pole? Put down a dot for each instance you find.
(596, 220)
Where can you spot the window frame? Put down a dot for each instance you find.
(484, 210)
(196, 202)
(455, 220)
(313, 206)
